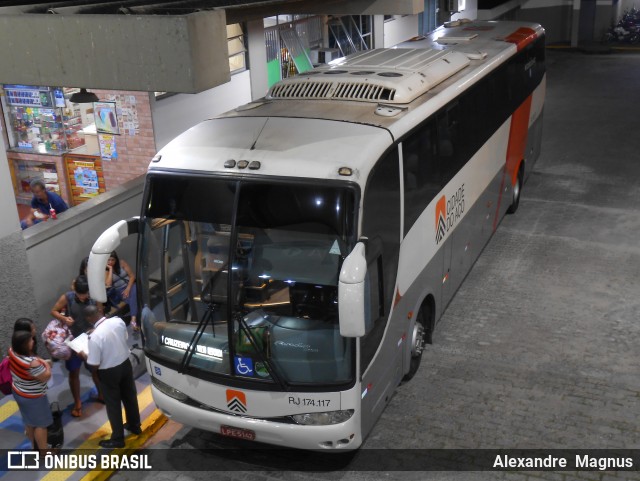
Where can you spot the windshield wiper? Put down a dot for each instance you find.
(186, 359)
(207, 297)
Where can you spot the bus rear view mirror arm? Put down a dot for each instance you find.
(100, 252)
(352, 293)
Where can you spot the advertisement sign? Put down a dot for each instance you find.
(107, 144)
(85, 177)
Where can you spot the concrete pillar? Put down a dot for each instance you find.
(9, 221)
(575, 22)
(257, 56)
(378, 31)
(16, 284)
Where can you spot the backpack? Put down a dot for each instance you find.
(5, 376)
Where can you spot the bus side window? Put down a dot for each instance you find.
(420, 172)
(449, 151)
(381, 225)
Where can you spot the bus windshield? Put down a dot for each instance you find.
(240, 278)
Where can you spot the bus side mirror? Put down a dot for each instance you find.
(101, 251)
(352, 293)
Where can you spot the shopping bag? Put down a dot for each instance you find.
(55, 432)
(54, 336)
(5, 376)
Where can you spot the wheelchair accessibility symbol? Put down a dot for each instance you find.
(244, 366)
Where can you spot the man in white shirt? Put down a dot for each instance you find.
(109, 351)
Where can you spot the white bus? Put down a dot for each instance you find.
(295, 254)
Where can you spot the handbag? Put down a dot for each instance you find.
(137, 359)
(5, 376)
(55, 431)
(54, 336)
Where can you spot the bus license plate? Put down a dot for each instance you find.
(240, 433)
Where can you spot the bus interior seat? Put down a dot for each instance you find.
(313, 302)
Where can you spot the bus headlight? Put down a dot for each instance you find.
(168, 390)
(323, 419)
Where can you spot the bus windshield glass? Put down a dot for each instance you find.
(240, 278)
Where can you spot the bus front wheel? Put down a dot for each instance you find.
(517, 190)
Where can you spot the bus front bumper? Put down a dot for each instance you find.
(336, 437)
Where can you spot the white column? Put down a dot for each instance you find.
(257, 56)
(575, 23)
(9, 219)
(378, 31)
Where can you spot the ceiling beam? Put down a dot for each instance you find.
(244, 13)
(183, 53)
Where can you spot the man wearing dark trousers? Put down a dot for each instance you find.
(108, 350)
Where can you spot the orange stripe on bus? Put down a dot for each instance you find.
(521, 37)
(441, 210)
(518, 132)
(518, 138)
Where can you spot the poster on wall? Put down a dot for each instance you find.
(85, 177)
(106, 118)
(107, 144)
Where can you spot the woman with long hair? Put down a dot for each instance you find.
(29, 375)
(27, 325)
(121, 286)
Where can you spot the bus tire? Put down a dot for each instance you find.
(517, 191)
(418, 338)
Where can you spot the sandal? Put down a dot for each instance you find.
(76, 412)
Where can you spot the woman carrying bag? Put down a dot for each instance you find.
(29, 383)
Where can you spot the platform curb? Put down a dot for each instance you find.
(153, 424)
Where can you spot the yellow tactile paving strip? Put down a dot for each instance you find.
(149, 427)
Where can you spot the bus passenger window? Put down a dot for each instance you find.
(420, 172)
(448, 143)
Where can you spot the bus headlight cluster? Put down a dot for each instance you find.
(168, 390)
(323, 419)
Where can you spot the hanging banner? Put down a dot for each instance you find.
(85, 177)
(107, 144)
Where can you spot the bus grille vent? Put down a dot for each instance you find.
(363, 91)
(330, 90)
(302, 90)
